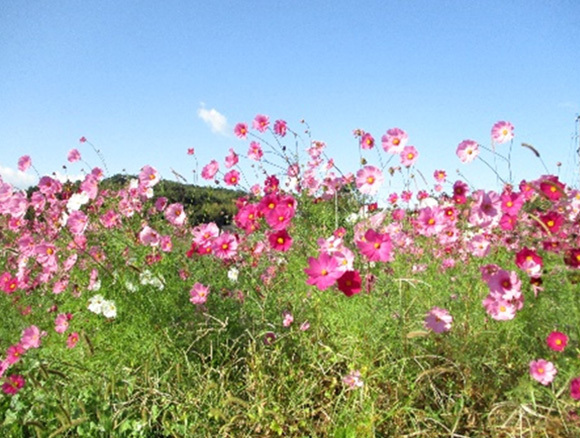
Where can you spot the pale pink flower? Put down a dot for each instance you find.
(367, 141)
(72, 340)
(24, 163)
(175, 214)
(148, 236)
(288, 319)
(409, 156)
(232, 159)
(198, 293)
(261, 122)
(467, 151)
(210, 170)
(148, 176)
(502, 132)
(369, 180)
(61, 322)
(255, 151)
(31, 337)
(543, 371)
(353, 380)
(77, 222)
(438, 320)
(73, 155)
(394, 140)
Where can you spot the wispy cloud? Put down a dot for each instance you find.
(17, 178)
(216, 121)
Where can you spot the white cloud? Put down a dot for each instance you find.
(216, 121)
(17, 178)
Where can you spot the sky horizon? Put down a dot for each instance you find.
(144, 82)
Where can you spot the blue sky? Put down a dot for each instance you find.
(132, 77)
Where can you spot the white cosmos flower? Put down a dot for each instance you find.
(96, 304)
(233, 274)
(76, 201)
(109, 309)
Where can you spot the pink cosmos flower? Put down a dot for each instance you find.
(438, 320)
(232, 178)
(148, 176)
(280, 240)
(4, 365)
(209, 170)
(73, 155)
(280, 127)
(148, 236)
(14, 353)
(241, 130)
(529, 261)
(13, 384)
(261, 123)
(161, 203)
(511, 203)
(175, 214)
(369, 180)
(72, 340)
(255, 152)
(31, 337)
(61, 322)
(82, 139)
(376, 247)
(409, 156)
(190, 151)
(77, 222)
(575, 388)
(551, 187)
(232, 159)
(502, 132)
(353, 380)
(557, 341)
(440, 175)
(323, 271)
(288, 319)
(198, 294)
(110, 219)
(367, 141)
(467, 151)
(543, 371)
(394, 140)
(225, 246)
(24, 163)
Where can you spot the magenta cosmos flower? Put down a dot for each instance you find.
(467, 151)
(280, 240)
(543, 371)
(13, 384)
(557, 341)
(323, 271)
(369, 180)
(438, 320)
(575, 388)
(241, 130)
(232, 178)
(376, 247)
(502, 132)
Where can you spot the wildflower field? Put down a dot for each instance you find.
(328, 308)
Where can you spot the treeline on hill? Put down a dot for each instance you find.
(202, 204)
